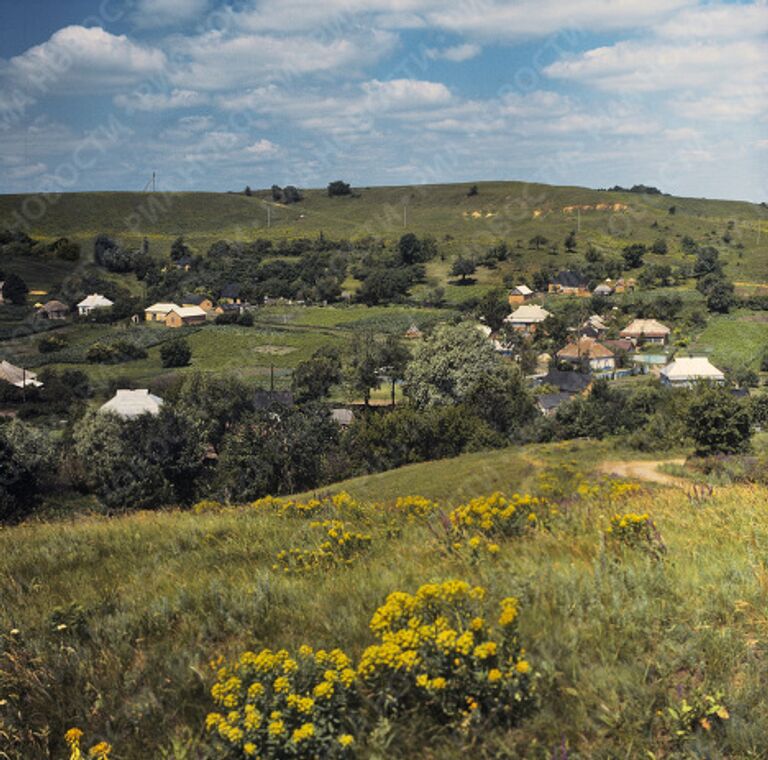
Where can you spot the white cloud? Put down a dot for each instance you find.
(399, 94)
(160, 101)
(684, 134)
(717, 21)
(262, 149)
(80, 59)
(636, 66)
(215, 61)
(456, 54)
(156, 13)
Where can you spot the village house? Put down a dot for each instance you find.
(18, 376)
(413, 333)
(158, 312)
(527, 318)
(688, 370)
(548, 403)
(54, 310)
(586, 349)
(520, 294)
(641, 331)
(625, 285)
(129, 404)
(185, 316)
(568, 283)
(228, 308)
(92, 302)
(604, 289)
(342, 417)
(230, 293)
(594, 327)
(192, 299)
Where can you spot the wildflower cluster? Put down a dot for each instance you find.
(277, 706)
(481, 521)
(704, 712)
(636, 531)
(415, 506)
(339, 503)
(100, 751)
(437, 650)
(340, 546)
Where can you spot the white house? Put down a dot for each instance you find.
(688, 370)
(527, 317)
(646, 331)
(129, 404)
(159, 311)
(91, 302)
(18, 376)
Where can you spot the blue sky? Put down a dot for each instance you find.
(96, 94)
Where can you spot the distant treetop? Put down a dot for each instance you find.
(642, 189)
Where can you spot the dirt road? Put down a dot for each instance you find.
(643, 469)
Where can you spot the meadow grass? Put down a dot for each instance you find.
(617, 636)
(735, 340)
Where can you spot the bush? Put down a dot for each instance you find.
(278, 706)
(50, 343)
(338, 188)
(439, 653)
(115, 353)
(175, 353)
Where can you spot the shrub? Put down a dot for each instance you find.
(277, 706)
(175, 353)
(415, 506)
(439, 653)
(339, 547)
(703, 713)
(49, 343)
(115, 353)
(497, 516)
(637, 531)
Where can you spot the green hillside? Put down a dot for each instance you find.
(501, 210)
(109, 624)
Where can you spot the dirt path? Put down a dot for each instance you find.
(643, 469)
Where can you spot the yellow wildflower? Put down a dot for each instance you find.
(346, 740)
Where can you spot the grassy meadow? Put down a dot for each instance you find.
(116, 619)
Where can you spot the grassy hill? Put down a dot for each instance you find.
(116, 619)
(501, 210)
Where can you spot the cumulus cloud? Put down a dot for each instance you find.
(262, 149)
(82, 59)
(160, 101)
(455, 54)
(215, 60)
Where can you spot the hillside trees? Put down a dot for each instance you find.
(313, 379)
(175, 353)
(457, 365)
(338, 188)
(633, 255)
(718, 422)
(15, 290)
(463, 267)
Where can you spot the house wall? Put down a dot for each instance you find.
(173, 320)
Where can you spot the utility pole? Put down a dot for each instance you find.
(405, 216)
(578, 220)
(269, 216)
(154, 186)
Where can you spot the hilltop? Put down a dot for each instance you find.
(508, 211)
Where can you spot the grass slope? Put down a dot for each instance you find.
(148, 599)
(501, 210)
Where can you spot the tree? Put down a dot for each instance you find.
(493, 308)
(276, 453)
(65, 249)
(313, 379)
(248, 191)
(570, 241)
(633, 255)
(364, 365)
(394, 358)
(179, 249)
(457, 365)
(720, 296)
(463, 267)
(338, 188)
(472, 191)
(718, 422)
(707, 262)
(291, 194)
(277, 193)
(537, 241)
(175, 353)
(384, 285)
(660, 246)
(25, 456)
(15, 290)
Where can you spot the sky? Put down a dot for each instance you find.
(212, 95)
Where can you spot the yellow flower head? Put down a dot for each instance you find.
(100, 751)
(494, 675)
(346, 740)
(73, 736)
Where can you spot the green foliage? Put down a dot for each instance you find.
(313, 379)
(175, 353)
(338, 188)
(717, 422)
(633, 255)
(463, 267)
(15, 289)
(115, 352)
(50, 343)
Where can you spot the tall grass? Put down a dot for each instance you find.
(148, 599)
